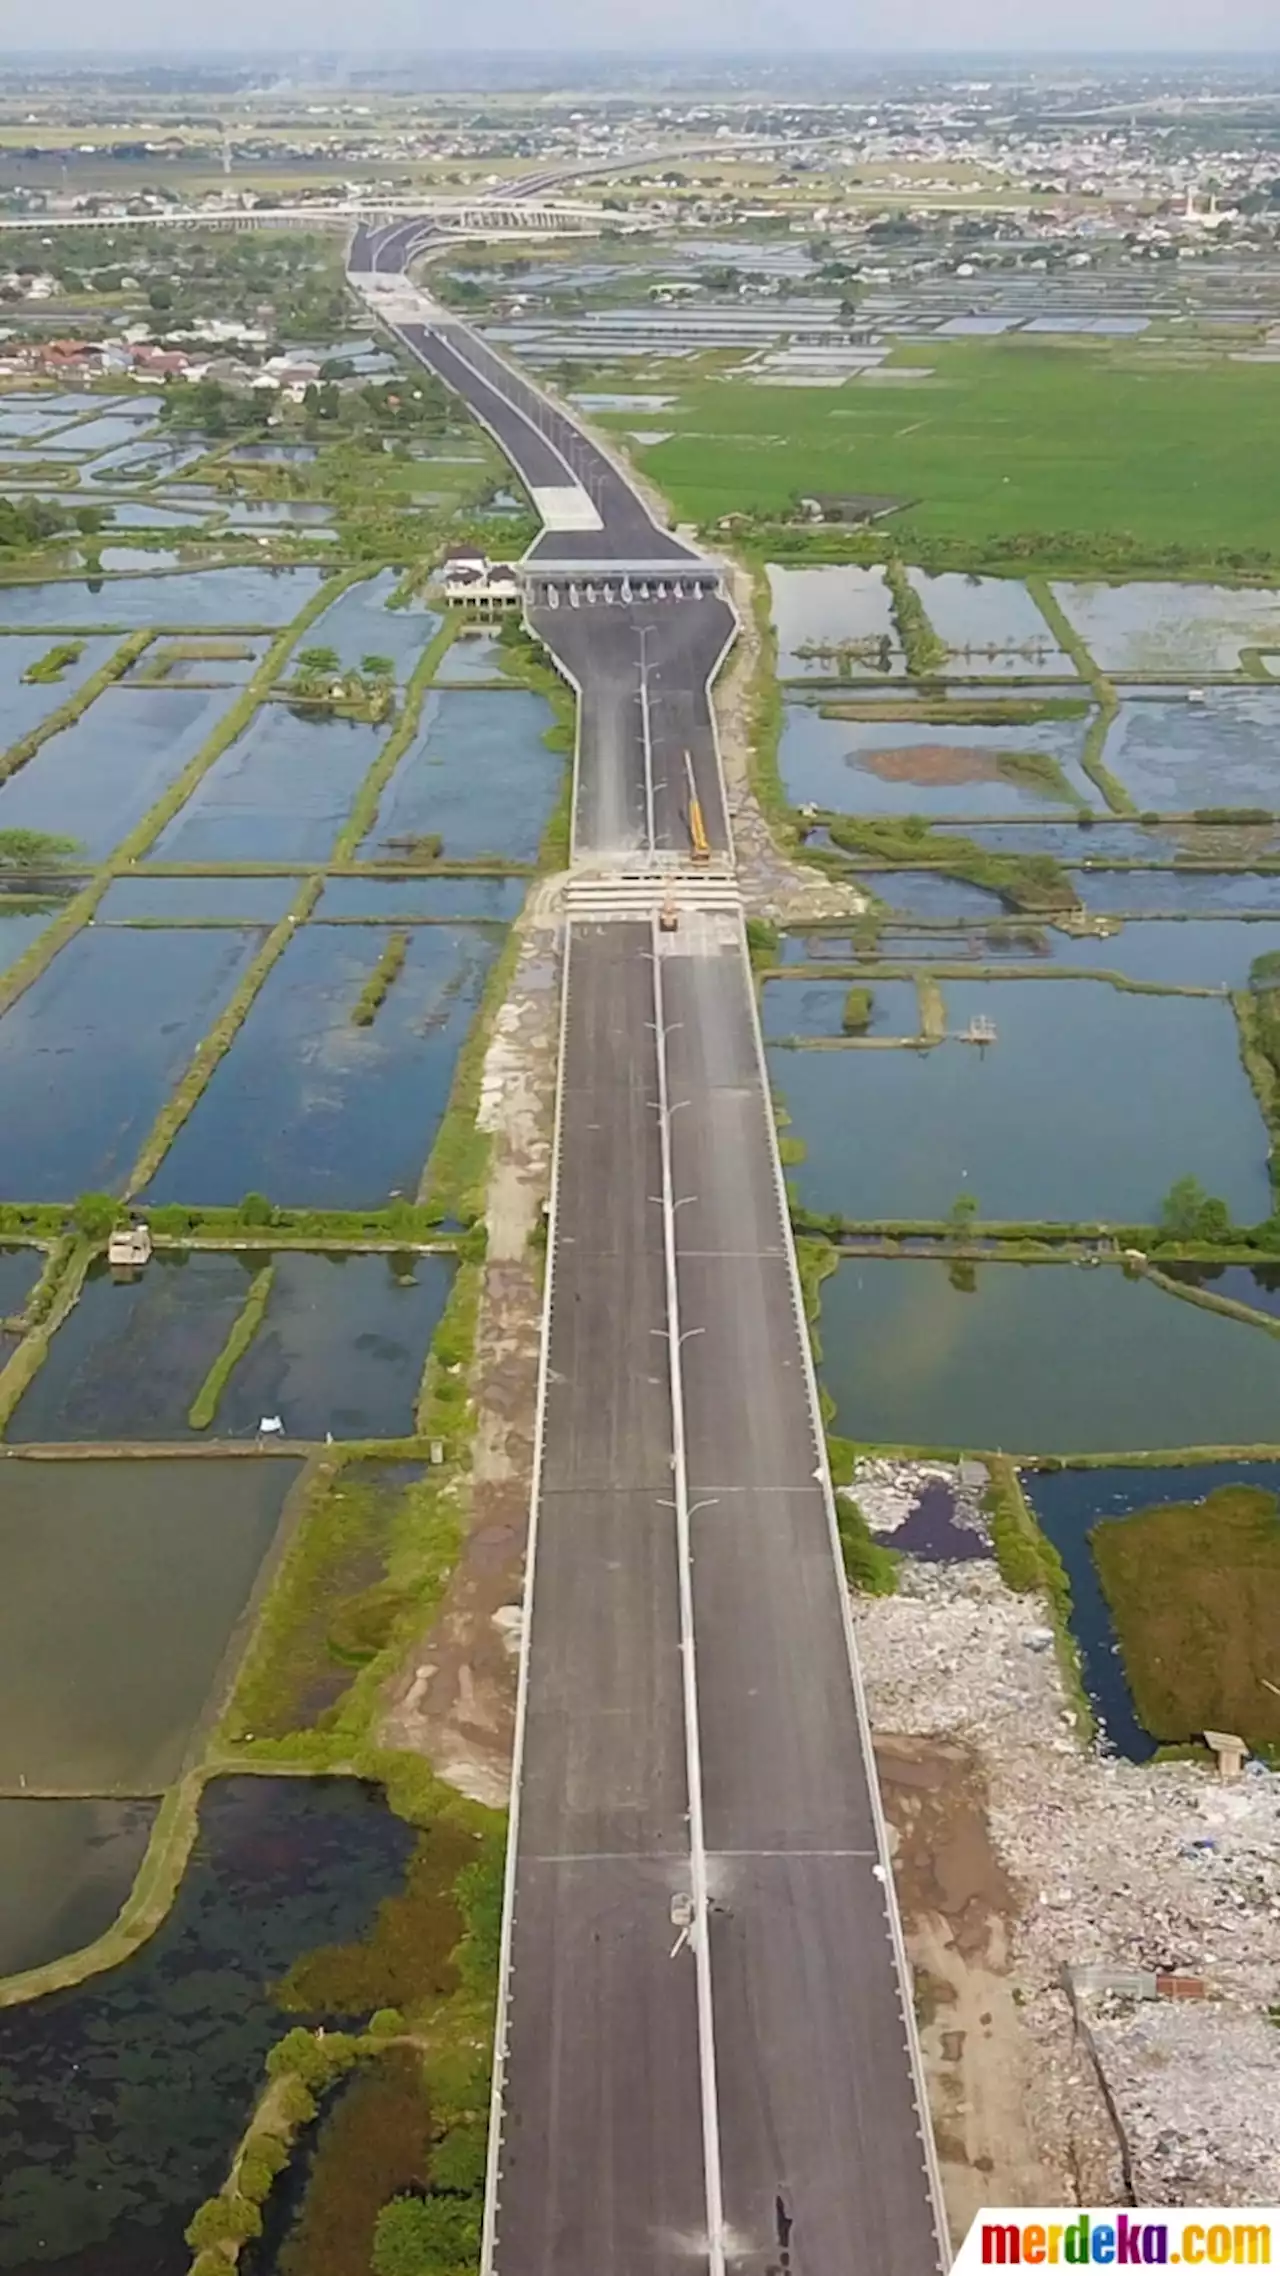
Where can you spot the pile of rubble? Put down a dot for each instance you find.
(1133, 1868)
(887, 1492)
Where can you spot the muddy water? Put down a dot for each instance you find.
(65, 1870)
(1088, 1105)
(341, 1348)
(124, 1583)
(310, 1109)
(96, 779)
(1050, 1359)
(90, 1052)
(280, 792)
(129, 1358)
(128, 2094)
(478, 774)
(1067, 1503)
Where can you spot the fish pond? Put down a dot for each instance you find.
(312, 1109)
(816, 1008)
(131, 1354)
(91, 1050)
(914, 767)
(24, 704)
(1048, 1359)
(1170, 631)
(19, 927)
(991, 626)
(20, 1269)
(821, 614)
(66, 1867)
(1203, 1602)
(95, 780)
(126, 1581)
(1178, 756)
(359, 623)
(341, 1348)
(144, 900)
(127, 2094)
(458, 900)
(249, 596)
(1175, 893)
(280, 792)
(1089, 1104)
(478, 774)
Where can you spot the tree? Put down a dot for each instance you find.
(1188, 1213)
(255, 1209)
(323, 663)
(378, 667)
(95, 1215)
(34, 849)
(961, 1216)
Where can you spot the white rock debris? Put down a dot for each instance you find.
(1154, 1867)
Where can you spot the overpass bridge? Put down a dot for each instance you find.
(490, 216)
(706, 2058)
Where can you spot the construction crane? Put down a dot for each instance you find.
(699, 844)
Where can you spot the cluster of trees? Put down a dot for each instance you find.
(319, 677)
(25, 522)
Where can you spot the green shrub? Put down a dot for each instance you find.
(426, 2236)
(255, 1209)
(868, 1565)
(96, 1214)
(459, 2160)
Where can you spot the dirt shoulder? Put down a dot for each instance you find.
(455, 1701)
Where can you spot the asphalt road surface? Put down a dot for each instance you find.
(801, 2047)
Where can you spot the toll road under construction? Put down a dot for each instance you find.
(706, 2052)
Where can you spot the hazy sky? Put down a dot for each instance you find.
(734, 26)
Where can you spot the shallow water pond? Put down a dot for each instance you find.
(1050, 1359)
(359, 624)
(20, 1269)
(859, 766)
(96, 779)
(932, 898)
(249, 596)
(1179, 756)
(1088, 1105)
(280, 792)
(23, 706)
(18, 929)
(127, 2094)
(66, 1868)
(276, 454)
(816, 1007)
(823, 608)
(388, 899)
(1068, 1503)
(341, 1348)
(1170, 631)
(108, 432)
(1174, 893)
(311, 1109)
(1204, 952)
(102, 1682)
(991, 625)
(478, 774)
(144, 899)
(90, 1051)
(1256, 1285)
(131, 1354)
(1070, 841)
(472, 656)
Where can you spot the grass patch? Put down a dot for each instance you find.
(1030, 1565)
(1192, 1587)
(1033, 883)
(926, 655)
(456, 1173)
(53, 664)
(368, 1561)
(381, 980)
(244, 1328)
(868, 1564)
(962, 710)
(1024, 441)
(859, 1005)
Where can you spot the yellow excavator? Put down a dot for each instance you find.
(699, 843)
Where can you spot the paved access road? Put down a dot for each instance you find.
(690, 1714)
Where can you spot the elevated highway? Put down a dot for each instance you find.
(706, 2049)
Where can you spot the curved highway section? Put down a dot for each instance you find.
(706, 2052)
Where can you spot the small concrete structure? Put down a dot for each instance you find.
(470, 581)
(1230, 1752)
(129, 1248)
